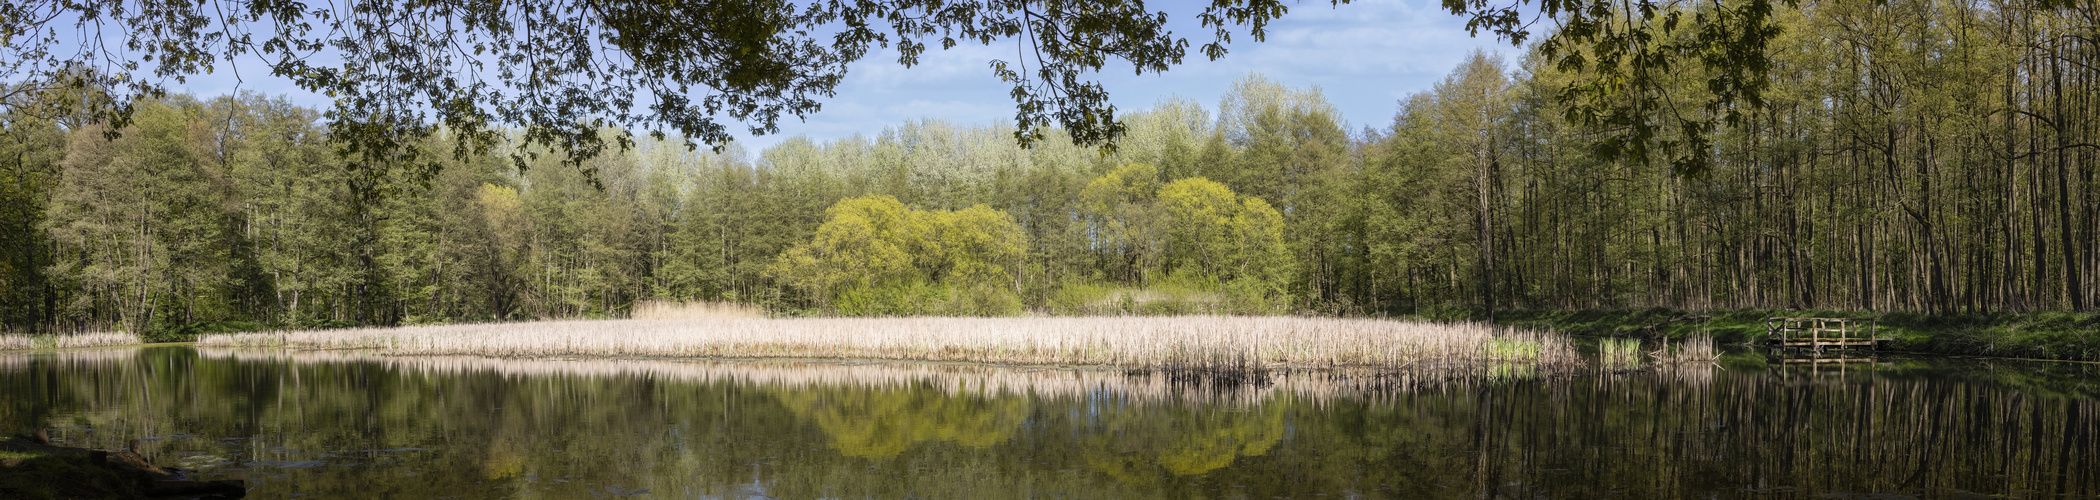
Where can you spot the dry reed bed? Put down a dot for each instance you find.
(67, 341)
(951, 379)
(1695, 351)
(1186, 343)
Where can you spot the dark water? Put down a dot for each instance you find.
(344, 426)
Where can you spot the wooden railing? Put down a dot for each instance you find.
(1822, 332)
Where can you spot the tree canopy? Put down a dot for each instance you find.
(1624, 55)
(873, 244)
(576, 75)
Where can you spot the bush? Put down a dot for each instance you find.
(985, 301)
(188, 332)
(914, 298)
(1077, 298)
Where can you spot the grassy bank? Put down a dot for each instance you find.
(2045, 335)
(1198, 343)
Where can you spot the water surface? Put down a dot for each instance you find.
(337, 425)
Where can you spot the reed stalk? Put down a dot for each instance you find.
(67, 341)
(1697, 350)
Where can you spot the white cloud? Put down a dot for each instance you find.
(1365, 56)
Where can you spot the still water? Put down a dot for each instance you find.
(337, 425)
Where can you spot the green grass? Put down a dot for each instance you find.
(1619, 352)
(1512, 350)
(1175, 295)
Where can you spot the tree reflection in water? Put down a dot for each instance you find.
(337, 424)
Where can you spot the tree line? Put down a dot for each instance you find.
(1935, 156)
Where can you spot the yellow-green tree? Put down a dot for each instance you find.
(1262, 261)
(1225, 237)
(863, 241)
(975, 246)
(1200, 213)
(907, 260)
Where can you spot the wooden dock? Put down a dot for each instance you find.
(1819, 361)
(1820, 333)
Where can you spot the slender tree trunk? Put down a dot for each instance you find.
(1487, 234)
(2073, 295)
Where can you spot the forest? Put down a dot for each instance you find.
(1929, 156)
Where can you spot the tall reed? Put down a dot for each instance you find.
(1201, 343)
(67, 341)
(1619, 354)
(1697, 350)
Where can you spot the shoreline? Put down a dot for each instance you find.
(2044, 336)
(971, 364)
(31, 466)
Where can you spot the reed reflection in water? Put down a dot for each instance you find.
(1178, 343)
(337, 424)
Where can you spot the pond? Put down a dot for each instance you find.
(334, 424)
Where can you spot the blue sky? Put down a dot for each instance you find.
(1364, 56)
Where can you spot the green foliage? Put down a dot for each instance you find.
(918, 298)
(755, 60)
(875, 257)
(1124, 219)
(1217, 235)
(1181, 293)
(1619, 353)
(863, 242)
(188, 332)
(727, 220)
(31, 147)
(1512, 350)
(1079, 298)
(1624, 56)
(978, 246)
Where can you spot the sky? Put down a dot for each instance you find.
(1364, 56)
